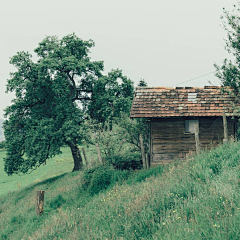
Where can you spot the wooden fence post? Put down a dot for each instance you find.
(196, 128)
(142, 151)
(40, 202)
(225, 128)
(99, 153)
(85, 157)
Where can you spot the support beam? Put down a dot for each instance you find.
(196, 128)
(225, 128)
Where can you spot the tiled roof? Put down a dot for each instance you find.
(179, 101)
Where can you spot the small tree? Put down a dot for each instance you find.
(229, 71)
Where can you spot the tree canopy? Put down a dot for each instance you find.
(229, 71)
(52, 95)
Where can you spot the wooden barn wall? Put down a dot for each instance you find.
(169, 140)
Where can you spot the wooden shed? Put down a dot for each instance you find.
(173, 114)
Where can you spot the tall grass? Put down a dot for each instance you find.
(197, 199)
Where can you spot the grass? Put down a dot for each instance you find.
(59, 165)
(196, 199)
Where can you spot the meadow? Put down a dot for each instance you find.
(195, 199)
(56, 166)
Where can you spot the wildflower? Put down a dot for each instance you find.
(179, 217)
(168, 216)
(220, 197)
(163, 224)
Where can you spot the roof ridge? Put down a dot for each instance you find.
(178, 88)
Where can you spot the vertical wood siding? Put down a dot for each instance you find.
(169, 140)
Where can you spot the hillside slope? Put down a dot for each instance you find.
(198, 199)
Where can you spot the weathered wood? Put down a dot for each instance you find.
(196, 129)
(225, 128)
(99, 153)
(147, 160)
(142, 151)
(151, 143)
(85, 157)
(169, 140)
(40, 202)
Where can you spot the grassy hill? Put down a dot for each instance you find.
(197, 199)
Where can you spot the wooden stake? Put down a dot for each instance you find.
(225, 128)
(40, 202)
(85, 157)
(196, 128)
(99, 153)
(142, 151)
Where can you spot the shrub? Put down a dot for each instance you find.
(125, 161)
(57, 201)
(101, 177)
(2, 144)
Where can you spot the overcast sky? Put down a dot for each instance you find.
(163, 42)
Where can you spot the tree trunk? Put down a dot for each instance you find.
(77, 158)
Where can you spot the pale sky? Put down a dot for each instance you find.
(163, 42)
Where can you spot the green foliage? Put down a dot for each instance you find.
(143, 174)
(229, 71)
(118, 140)
(57, 201)
(125, 160)
(112, 95)
(2, 144)
(100, 178)
(142, 83)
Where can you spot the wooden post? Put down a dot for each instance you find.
(85, 157)
(225, 128)
(147, 161)
(142, 151)
(40, 202)
(99, 153)
(196, 128)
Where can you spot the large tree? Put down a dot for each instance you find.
(50, 95)
(229, 71)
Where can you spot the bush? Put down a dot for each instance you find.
(101, 177)
(2, 144)
(125, 161)
(57, 202)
